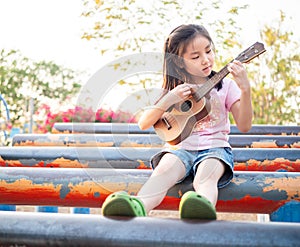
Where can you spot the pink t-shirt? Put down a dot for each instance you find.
(212, 131)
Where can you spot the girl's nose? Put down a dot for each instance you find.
(205, 60)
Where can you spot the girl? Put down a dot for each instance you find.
(188, 61)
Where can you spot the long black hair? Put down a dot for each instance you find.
(174, 48)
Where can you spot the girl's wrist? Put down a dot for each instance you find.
(246, 88)
(246, 92)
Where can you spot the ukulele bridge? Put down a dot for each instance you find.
(166, 123)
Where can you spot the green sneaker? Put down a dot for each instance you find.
(195, 206)
(122, 204)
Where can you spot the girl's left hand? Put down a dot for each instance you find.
(239, 74)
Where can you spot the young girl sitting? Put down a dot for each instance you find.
(206, 154)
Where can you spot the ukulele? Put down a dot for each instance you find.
(177, 123)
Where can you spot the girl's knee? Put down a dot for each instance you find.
(209, 171)
(169, 162)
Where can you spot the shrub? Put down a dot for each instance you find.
(80, 114)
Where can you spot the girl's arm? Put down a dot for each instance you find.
(153, 113)
(242, 110)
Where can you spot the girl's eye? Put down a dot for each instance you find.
(208, 51)
(195, 57)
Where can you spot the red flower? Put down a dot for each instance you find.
(80, 114)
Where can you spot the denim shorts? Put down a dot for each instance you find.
(191, 159)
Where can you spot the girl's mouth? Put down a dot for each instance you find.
(207, 69)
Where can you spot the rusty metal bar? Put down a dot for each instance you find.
(78, 140)
(118, 157)
(143, 140)
(249, 192)
(120, 153)
(103, 128)
(121, 128)
(44, 229)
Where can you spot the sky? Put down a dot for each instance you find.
(52, 29)
(47, 29)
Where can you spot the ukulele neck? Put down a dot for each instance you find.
(210, 84)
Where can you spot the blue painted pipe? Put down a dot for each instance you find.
(125, 157)
(121, 128)
(36, 229)
(135, 140)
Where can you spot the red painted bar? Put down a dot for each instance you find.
(246, 159)
(249, 192)
(278, 164)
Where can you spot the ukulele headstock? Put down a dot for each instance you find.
(253, 51)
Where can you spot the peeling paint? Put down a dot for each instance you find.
(57, 163)
(142, 165)
(66, 163)
(15, 192)
(296, 145)
(248, 192)
(265, 144)
(13, 163)
(277, 164)
(136, 144)
(286, 185)
(39, 141)
(249, 204)
(64, 191)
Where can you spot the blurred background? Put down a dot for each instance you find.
(50, 49)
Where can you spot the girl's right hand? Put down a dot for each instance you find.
(180, 93)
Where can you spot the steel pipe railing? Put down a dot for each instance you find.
(45, 229)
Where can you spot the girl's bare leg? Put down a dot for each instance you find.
(206, 179)
(169, 170)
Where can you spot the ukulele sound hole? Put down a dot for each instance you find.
(186, 106)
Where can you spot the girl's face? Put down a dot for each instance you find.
(199, 58)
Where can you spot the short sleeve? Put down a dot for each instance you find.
(233, 93)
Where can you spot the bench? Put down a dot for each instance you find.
(125, 147)
(114, 157)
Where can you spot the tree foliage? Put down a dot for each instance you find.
(22, 79)
(276, 90)
(120, 27)
(123, 27)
